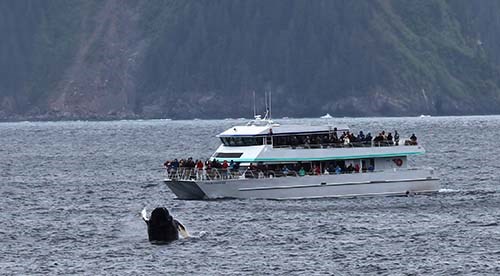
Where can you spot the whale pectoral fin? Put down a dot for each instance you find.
(144, 215)
(182, 229)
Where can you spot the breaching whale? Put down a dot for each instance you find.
(162, 227)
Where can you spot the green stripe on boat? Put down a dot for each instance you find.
(321, 158)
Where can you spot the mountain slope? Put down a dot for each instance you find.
(185, 59)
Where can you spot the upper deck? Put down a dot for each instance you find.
(279, 130)
(291, 143)
(267, 153)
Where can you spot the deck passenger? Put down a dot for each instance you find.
(316, 170)
(320, 139)
(236, 167)
(175, 165)
(200, 173)
(396, 137)
(352, 138)
(412, 141)
(338, 170)
(378, 140)
(285, 170)
(368, 137)
(199, 165)
(413, 138)
(224, 166)
(302, 172)
(307, 142)
(389, 139)
(167, 165)
(294, 142)
(350, 168)
(326, 141)
(347, 141)
(190, 163)
(297, 166)
(261, 174)
(334, 139)
(361, 136)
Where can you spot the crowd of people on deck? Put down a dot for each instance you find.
(347, 138)
(300, 169)
(198, 164)
(225, 169)
(217, 169)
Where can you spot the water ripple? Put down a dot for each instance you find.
(72, 193)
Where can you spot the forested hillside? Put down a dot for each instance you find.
(185, 59)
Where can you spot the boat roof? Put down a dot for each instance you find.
(277, 129)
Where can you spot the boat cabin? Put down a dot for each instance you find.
(279, 136)
(274, 147)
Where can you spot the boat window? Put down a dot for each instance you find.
(229, 154)
(241, 141)
(302, 139)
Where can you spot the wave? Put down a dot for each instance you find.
(448, 191)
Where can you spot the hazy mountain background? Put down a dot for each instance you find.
(183, 59)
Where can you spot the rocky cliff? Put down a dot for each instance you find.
(185, 59)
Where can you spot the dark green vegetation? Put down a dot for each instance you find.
(185, 59)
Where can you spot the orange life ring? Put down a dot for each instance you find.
(398, 162)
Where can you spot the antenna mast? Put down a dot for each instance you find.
(265, 101)
(270, 105)
(254, 112)
(267, 106)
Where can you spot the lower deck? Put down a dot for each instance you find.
(389, 182)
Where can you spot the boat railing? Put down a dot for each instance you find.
(218, 174)
(345, 145)
(207, 174)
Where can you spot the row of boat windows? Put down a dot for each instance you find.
(323, 167)
(276, 140)
(242, 141)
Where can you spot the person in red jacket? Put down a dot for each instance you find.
(199, 169)
(316, 170)
(225, 165)
(356, 168)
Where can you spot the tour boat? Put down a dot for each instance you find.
(274, 161)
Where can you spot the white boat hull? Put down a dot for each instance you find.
(393, 182)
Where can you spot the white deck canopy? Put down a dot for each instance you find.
(277, 130)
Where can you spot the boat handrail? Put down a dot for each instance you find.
(343, 145)
(214, 174)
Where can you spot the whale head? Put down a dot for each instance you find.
(161, 226)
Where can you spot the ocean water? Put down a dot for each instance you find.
(71, 195)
